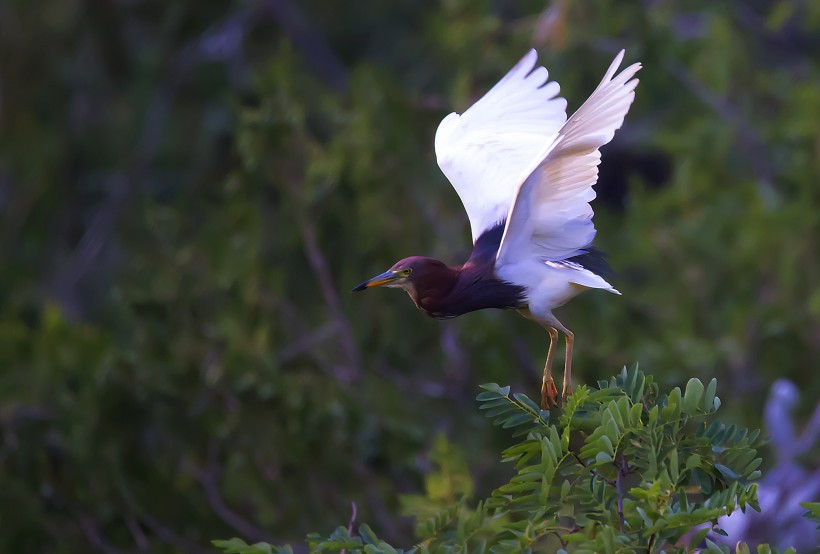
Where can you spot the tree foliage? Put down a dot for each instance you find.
(620, 468)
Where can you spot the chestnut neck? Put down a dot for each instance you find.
(444, 291)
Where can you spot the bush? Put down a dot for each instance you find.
(621, 468)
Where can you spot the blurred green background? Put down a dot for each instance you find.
(189, 189)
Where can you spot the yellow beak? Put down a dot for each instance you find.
(377, 281)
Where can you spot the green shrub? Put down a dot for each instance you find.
(621, 468)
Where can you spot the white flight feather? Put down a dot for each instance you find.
(550, 218)
(490, 149)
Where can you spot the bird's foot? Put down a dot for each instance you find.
(566, 393)
(549, 394)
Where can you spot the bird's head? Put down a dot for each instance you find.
(406, 274)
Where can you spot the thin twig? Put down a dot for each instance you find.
(167, 536)
(307, 341)
(353, 513)
(209, 480)
(136, 531)
(619, 488)
(157, 529)
(609, 482)
(318, 263)
(309, 337)
(92, 533)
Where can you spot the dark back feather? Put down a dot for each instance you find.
(487, 244)
(595, 261)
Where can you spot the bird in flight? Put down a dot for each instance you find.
(524, 173)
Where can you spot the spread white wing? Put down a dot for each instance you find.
(489, 150)
(551, 218)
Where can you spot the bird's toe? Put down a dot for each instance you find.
(549, 394)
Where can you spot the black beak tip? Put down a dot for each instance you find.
(357, 288)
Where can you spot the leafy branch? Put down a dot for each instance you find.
(621, 468)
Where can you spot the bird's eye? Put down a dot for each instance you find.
(407, 271)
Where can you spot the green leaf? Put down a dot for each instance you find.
(526, 401)
(709, 396)
(674, 473)
(674, 397)
(230, 543)
(692, 396)
(713, 548)
(698, 537)
(653, 415)
(603, 458)
(727, 472)
(742, 548)
(367, 534)
(488, 396)
(516, 420)
(813, 512)
(648, 523)
(238, 546)
(635, 413)
(496, 402)
(606, 445)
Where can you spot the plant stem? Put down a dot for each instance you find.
(619, 488)
(609, 482)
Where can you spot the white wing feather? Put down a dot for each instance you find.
(551, 218)
(488, 151)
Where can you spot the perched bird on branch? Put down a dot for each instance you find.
(524, 173)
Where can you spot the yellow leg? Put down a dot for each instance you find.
(549, 393)
(566, 389)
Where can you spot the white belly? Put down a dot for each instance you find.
(549, 285)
